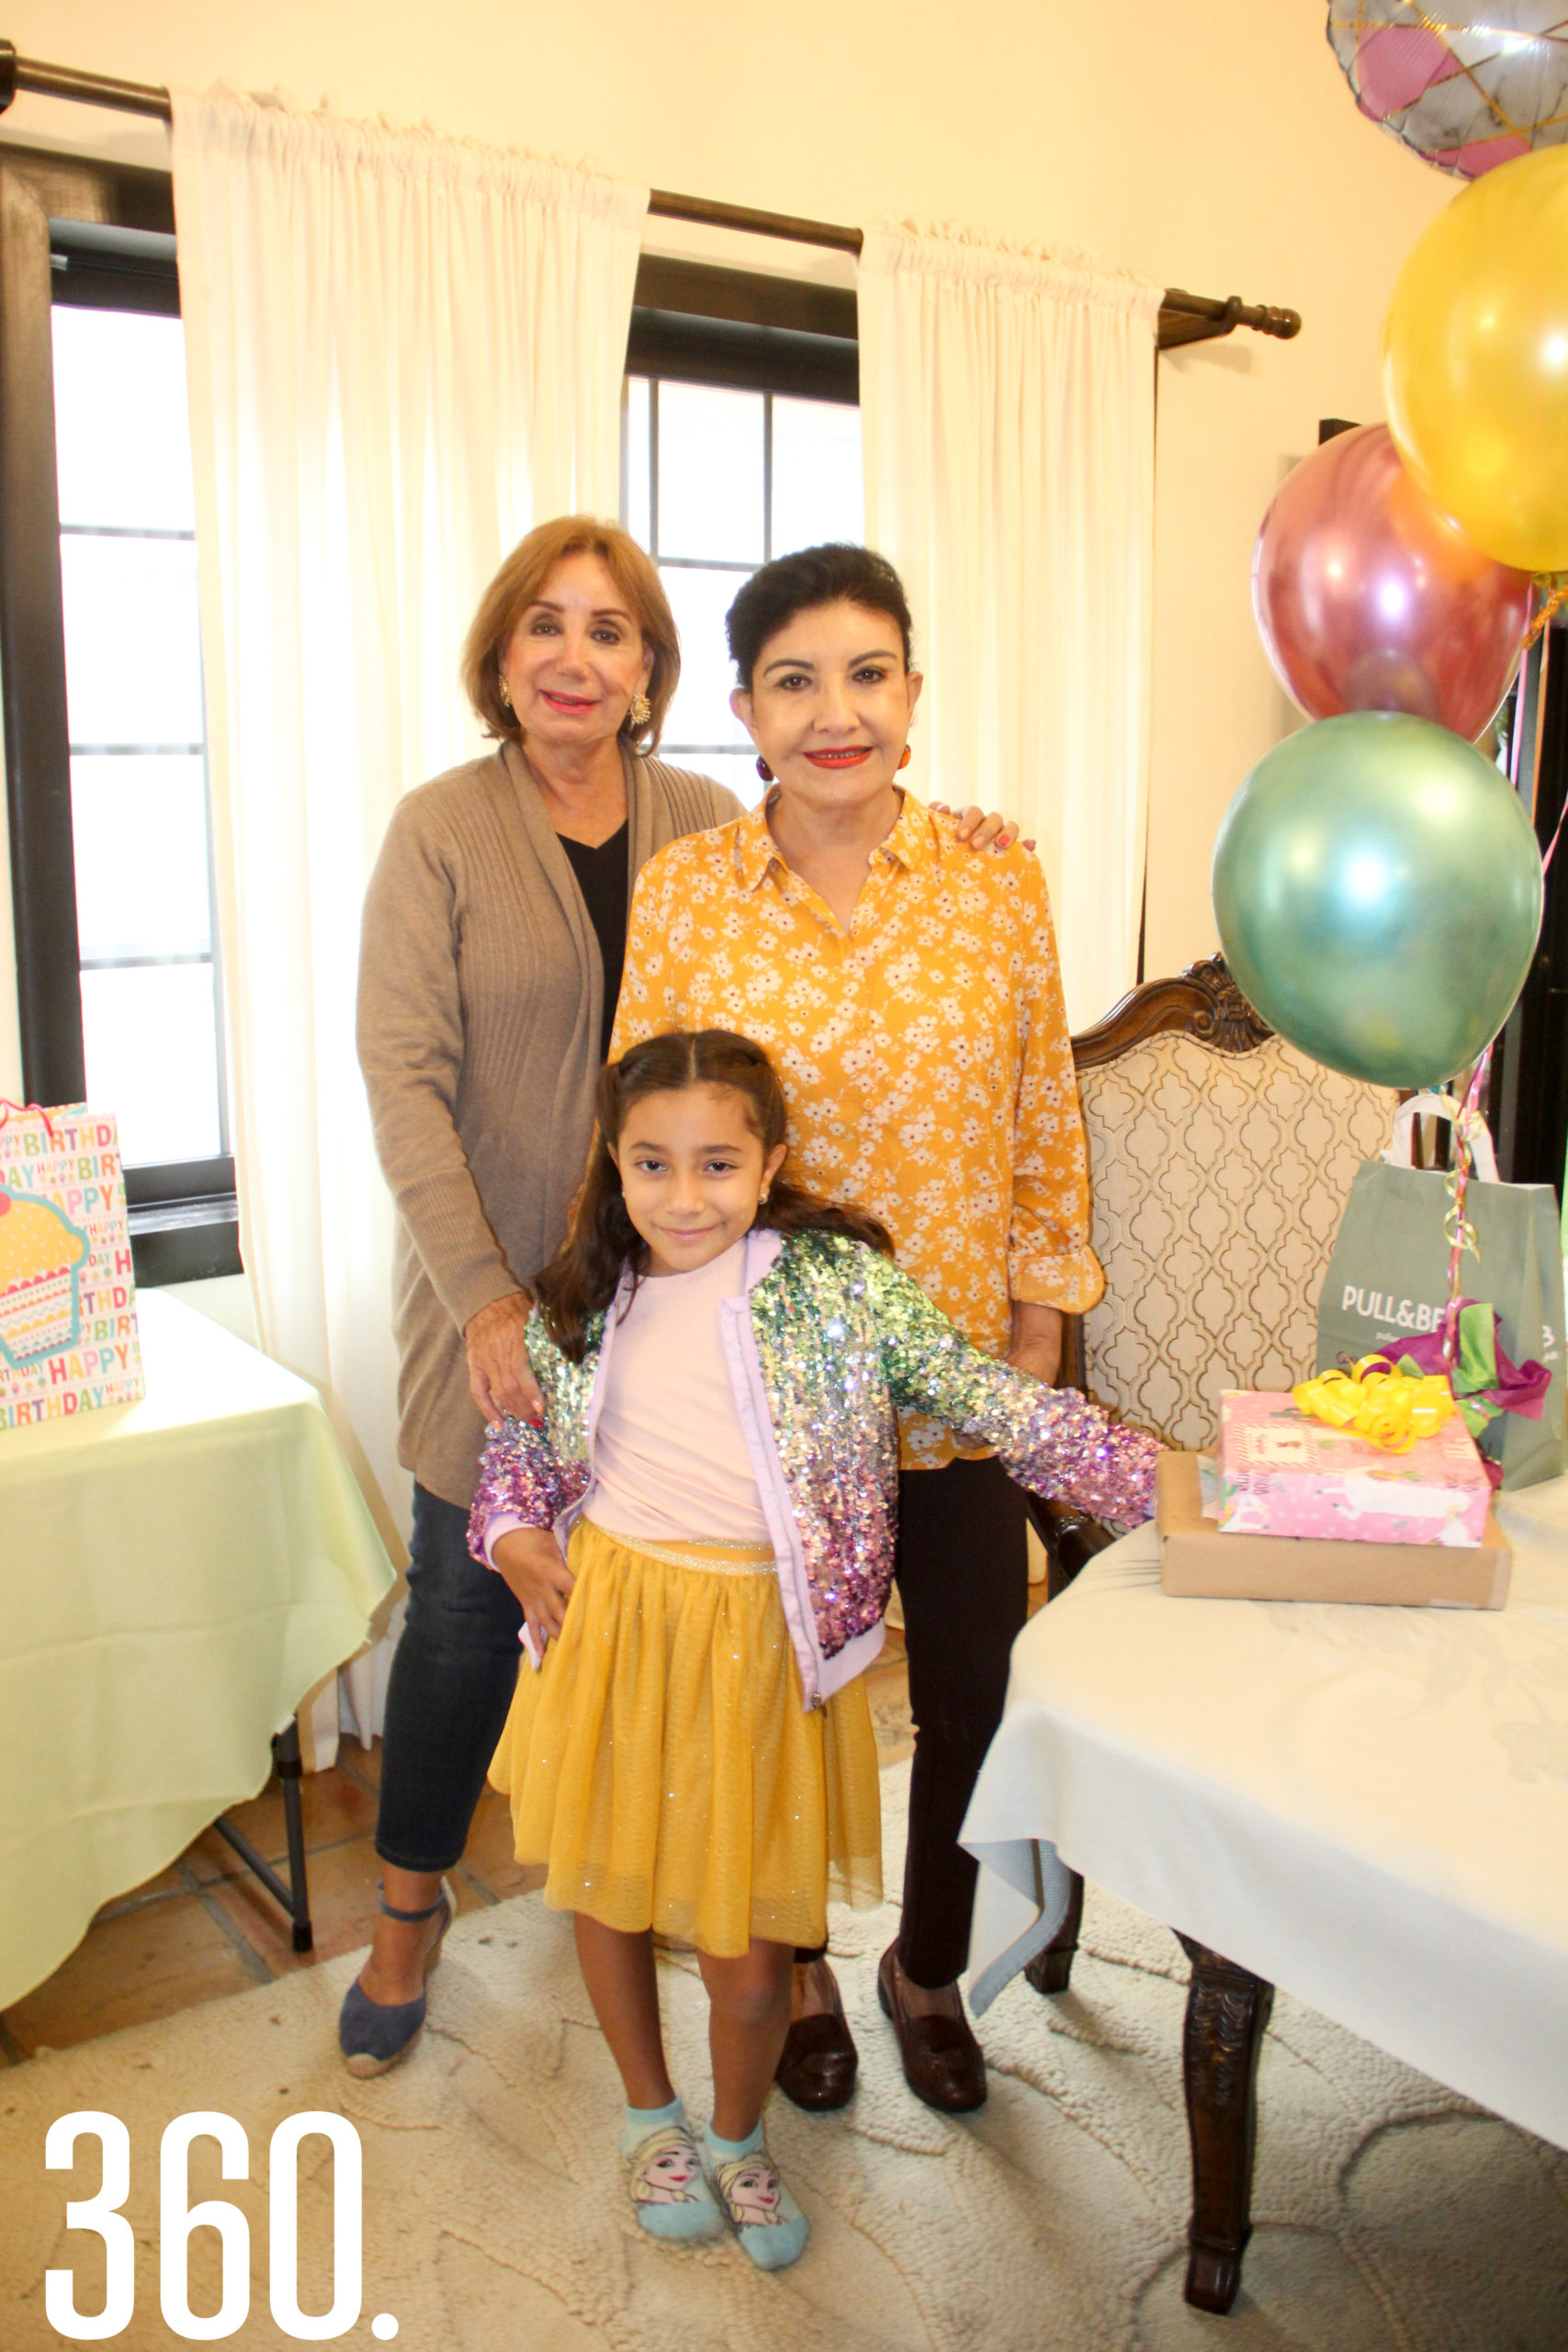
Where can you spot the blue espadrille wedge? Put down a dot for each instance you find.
(375, 2035)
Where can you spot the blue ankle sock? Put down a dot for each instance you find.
(641, 2120)
(767, 2221)
(670, 2190)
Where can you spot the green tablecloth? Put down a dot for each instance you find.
(174, 1576)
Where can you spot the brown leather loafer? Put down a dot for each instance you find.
(943, 2064)
(817, 2066)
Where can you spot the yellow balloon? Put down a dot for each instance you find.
(1475, 361)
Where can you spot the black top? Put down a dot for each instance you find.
(601, 878)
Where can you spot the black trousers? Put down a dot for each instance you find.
(963, 1569)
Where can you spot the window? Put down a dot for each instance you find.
(740, 441)
(151, 1017)
(112, 881)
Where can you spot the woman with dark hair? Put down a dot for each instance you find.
(722, 1355)
(489, 966)
(910, 999)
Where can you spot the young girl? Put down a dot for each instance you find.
(721, 1356)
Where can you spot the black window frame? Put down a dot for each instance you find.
(114, 225)
(742, 330)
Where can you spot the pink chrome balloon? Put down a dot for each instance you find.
(1368, 599)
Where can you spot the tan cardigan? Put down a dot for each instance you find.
(480, 992)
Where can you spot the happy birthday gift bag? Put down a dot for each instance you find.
(1387, 1283)
(68, 1337)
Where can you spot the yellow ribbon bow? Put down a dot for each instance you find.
(1389, 1409)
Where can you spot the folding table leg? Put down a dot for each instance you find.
(1227, 2011)
(294, 1895)
(1051, 1970)
(286, 1750)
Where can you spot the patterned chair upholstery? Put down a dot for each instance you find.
(1221, 1160)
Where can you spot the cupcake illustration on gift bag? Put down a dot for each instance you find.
(42, 1255)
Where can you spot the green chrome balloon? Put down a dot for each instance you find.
(1377, 887)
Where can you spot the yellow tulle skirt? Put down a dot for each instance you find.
(663, 1767)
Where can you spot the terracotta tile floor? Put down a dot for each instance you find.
(205, 1928)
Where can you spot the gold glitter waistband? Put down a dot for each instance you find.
(713, 1557)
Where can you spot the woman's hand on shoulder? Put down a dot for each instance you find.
(980, 830)
(530, 1561)
(501, 1378)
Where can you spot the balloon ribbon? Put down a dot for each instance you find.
(1456, 1224)
(1552, 588)
(1391, 1409)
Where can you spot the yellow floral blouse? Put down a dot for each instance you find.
(924, 1053)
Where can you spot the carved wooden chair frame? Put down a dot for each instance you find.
(1227, 2007)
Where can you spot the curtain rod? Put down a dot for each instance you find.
(1185, 318)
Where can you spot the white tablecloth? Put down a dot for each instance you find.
(174, 1576)
(1366, 1806)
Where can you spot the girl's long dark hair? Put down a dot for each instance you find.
(584, 1273)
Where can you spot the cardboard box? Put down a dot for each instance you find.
(1200, 1561)
(1282, 1472)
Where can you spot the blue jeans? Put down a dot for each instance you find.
(448, 1693)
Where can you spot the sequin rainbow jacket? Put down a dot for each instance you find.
(826, 1340)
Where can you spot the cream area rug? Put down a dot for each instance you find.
(1390, 2216)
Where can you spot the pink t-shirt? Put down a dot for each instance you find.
(669, 1461)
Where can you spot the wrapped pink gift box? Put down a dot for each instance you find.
(1282, 1473)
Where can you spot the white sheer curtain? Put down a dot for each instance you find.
(1007, 411)
(403, 350)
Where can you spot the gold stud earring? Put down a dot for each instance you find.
(503, 690)
(641, 710)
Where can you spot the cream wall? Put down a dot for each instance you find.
(1218, 150)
